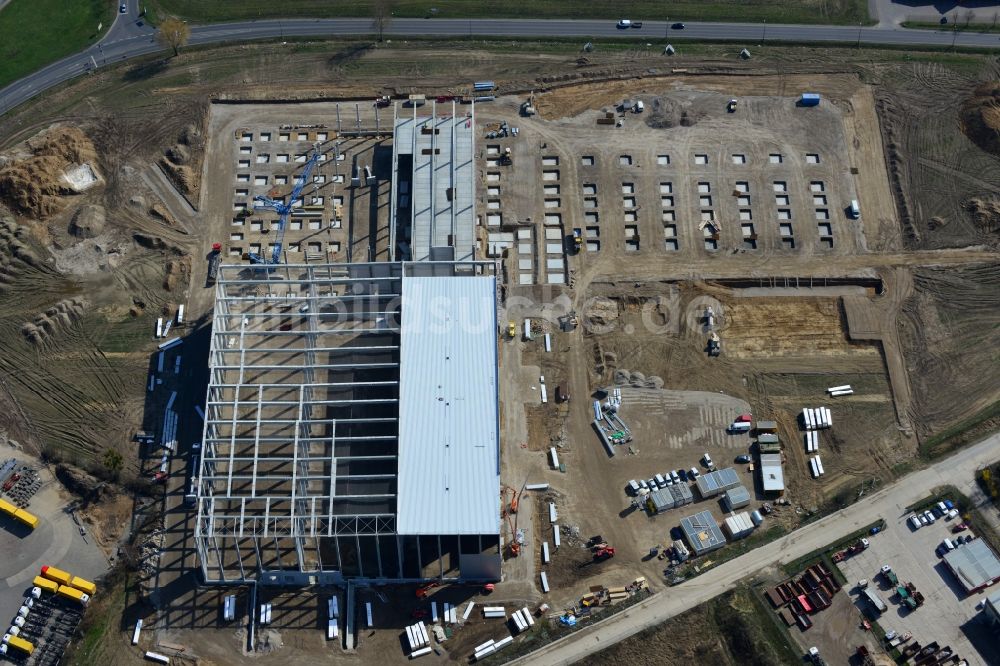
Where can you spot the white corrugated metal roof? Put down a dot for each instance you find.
(449, 452)
(974, 564)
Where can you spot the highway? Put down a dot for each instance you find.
(129, 37)
(889, 503)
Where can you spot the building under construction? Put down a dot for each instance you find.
(351, 427)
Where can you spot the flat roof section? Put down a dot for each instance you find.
(974, 564)
(702, 532)
(440, 149)
(771, 475)
(449, 441)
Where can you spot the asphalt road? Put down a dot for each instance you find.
(889, 503)
(130, 37)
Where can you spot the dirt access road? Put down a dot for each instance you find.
(890, 502)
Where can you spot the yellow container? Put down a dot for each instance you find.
(83, 585)
(28, 519)
(45, 584)
(58, 575)
(21, 644)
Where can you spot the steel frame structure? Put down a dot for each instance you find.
(298, 465)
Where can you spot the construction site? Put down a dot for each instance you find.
(410, 369)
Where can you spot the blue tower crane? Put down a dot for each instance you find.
(283, 210)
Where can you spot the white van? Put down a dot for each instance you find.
(915, 522)
(660, 481)
(949, 544)
(633, 487)
(854, 209)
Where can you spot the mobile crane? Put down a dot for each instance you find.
(283, 210)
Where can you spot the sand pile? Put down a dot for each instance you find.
(36, 184)
(980, 116)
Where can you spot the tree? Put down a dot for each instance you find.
(381, 15)
(173, 33)
(114, 462)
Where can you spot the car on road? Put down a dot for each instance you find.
(677, 26)
(743, 458)
(636, 24)
(123, 8)
(624, 23)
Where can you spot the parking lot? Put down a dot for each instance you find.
(946, 613)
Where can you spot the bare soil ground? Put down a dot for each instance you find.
(84, 389)
(733, 629)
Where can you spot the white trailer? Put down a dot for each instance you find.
(814, 468)
(835, 389)
(555, 457)
(528, 617)
(545, 582)
(819, 466)
(555, 536)
(468, 611)
(527, 330)
(420, 653)
(553, 514)
(545, 552)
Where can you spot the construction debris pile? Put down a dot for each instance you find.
(36, 181)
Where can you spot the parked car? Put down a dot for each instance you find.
(743, 458)
(930, 517)
(923, 519)
(707, 459)
(958, 528)
(693, 473)
(915, 522)
(643, 485)
(674, 476)
(633, 487)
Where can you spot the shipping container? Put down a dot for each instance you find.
(157, 657)
(73, 593)
(58, 575)
(83, 585)
(7, 507)
(46, 584)
(809, 99)
(21, 644)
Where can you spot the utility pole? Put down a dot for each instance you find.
(859, 34)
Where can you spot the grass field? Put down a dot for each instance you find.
(776, 11)
(34, 33)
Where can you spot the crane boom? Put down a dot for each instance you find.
(283, 210)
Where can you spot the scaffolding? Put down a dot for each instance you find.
(298, 473)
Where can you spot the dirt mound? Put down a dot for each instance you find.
(160, 212)
(57, 318)
(985, 213)
(88, 221)
(666, 113)
(34, 185)
(980, 115)
(15, 254)
(182, 176)
(179, 154)
(177, 274)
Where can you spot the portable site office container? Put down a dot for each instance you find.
(545, 552)
(819, 466)
(332, 629)
(527, 615)
(809, 99)
(468, 610)
(411, 637)
(447, 612)
(834, 389)
(527, 330)
(480, 648)
(503, 642)
(368, 612)
(829, 418)
(136, 632)
(545, 582)
(434, 611)
(420, 653)
(555, 536)
(332, 606)
(486, 652)
(812, 466)
(555, 457)
(598, 415)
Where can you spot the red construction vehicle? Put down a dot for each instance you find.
(604, 553)
(424, 590)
